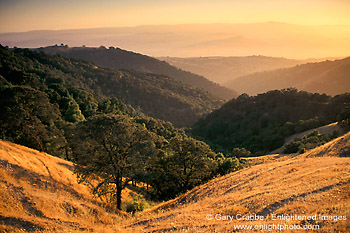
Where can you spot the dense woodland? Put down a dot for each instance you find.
(117, 58)
(155, 95)
(75, 110)
(261, 123)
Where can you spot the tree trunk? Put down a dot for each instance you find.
(67, 156)
(119, 194)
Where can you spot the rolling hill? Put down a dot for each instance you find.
(224, 69)
(117, 58)
(40, 193)
(314, 183)
(330, 77)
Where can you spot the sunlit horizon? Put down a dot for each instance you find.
(175, 24)
(25, 15)
(301, 29)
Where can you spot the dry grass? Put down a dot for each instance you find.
(338, 147)
(300, 185)
(39, 193)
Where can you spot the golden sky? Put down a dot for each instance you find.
(26, 15)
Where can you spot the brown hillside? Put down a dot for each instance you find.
(225, 69)
(39, 192)
(330, 77)
(303, 185)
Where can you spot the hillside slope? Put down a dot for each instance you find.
(330, 77)
(304, 185)
(224, 69)
(39, 192)
(155, 95)
(117, 58)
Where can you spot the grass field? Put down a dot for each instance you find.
(39, 192)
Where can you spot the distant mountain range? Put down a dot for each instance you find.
(330, 77)
(117, 58)
(270, 39)
(224, 69)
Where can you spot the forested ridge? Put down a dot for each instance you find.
(261, 123)
(155, 95)
(117, 58)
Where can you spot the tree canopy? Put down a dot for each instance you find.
(107, 149)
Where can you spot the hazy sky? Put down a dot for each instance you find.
(25, 15)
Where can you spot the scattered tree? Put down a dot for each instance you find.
(107, 148)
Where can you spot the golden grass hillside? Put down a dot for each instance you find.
(40, 193)
(313, 187)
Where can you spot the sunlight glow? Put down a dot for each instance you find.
(61, 14)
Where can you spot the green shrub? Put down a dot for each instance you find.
(228, 165)
(138, 203)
